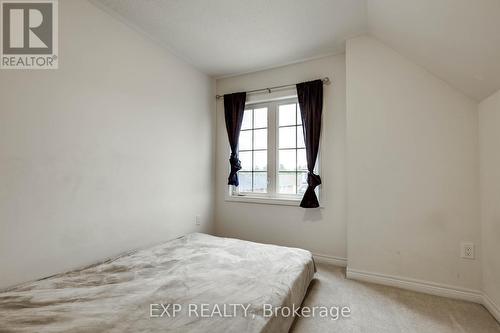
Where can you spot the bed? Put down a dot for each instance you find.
(170, 287)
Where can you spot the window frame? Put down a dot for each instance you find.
(272, 196)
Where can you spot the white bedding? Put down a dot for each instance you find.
(121, 294)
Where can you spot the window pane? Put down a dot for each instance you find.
(287, 114)
(247, 120)
(286, 182)
(246, 160)
(287, 160)
(299, 117)
(260, 160)
(260, 118)
(301, 182)
(301, 159)
(300, 137)
(260, 182)
(287, 137)
(245, 179)
(260, 139)
(245, 140)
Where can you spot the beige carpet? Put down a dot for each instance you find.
(376, 308)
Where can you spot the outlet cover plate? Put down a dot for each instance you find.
(467, 250)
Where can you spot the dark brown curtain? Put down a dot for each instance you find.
(310, 95)
(234, 107)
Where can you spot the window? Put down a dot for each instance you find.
(272, 153)
(253, 151)
(292, 163)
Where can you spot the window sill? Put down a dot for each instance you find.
(265, 200)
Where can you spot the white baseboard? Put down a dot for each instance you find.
(422, 286)
(324, 259)
(428, 287)
(492, 307)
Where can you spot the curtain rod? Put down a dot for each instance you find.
(326, 80)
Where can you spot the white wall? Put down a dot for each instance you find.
(321, 231)
(489, 138)
(412, 146)
(110, 152)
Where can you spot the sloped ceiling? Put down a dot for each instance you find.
(456, 40)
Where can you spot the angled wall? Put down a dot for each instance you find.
(413, 188)
(489, 142)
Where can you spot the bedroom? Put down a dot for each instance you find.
(115, 208)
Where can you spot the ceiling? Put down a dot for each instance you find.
(224, 37)
(456, 40)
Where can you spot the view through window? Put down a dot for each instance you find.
(292, 163)
(253, 151)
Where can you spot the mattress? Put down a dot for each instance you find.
(196, 283)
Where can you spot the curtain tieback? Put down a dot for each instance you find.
(313, 180)
(235, 167)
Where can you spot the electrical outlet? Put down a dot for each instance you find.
(197, 220)
(467, 250)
